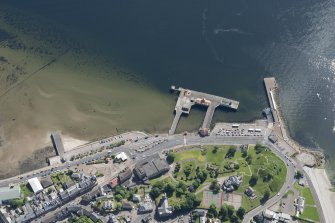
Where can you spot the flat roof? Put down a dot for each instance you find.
(58, 144)
(8, 193)
(35, 184)
(122, 156)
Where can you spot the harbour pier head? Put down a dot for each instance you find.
(187, 98)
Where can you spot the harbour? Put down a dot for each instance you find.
(187, 98)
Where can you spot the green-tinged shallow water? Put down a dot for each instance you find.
(122, 56)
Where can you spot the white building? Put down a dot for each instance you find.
(35, 184)
(122, 156)
(300, 205)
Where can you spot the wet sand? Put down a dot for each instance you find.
(48, 84)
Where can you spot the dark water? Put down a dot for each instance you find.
(221, 47)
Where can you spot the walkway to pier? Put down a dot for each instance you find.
(188, 98)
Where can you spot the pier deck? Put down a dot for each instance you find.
(188, 98)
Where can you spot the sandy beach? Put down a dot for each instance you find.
(322, 186)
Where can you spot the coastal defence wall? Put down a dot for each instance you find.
(308, 156)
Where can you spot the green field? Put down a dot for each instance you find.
(306, 193)
(264, 162)
(310, 213)
(26, 190)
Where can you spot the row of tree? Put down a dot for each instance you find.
(226, 212)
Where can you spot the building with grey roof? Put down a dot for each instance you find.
(58, 144)
(164, 209)
(125, 175)
(151, 167)
(9, 193)
(300, 205)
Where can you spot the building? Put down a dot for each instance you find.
(136, 198)
(300, 205)
(121, 157)
(113, 219)
(151, 167)
(114, 182)
(58, 144)
(146, 206)
(126, 205)
(204, 132)
(108, 204)
(46, 182)
(35, 185)
(250, 192)
(9, 193)
(164, 209)
(302, 182)
(125, 175)
(276, 217)
(273, 138)
(232, 183)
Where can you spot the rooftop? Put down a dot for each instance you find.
(8, 193)
(35, 185)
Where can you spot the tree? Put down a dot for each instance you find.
(265, 197)
(118, 206)
(249, 159)
(299, 174)
(177, 168)
(187, 170)
(253, 180)
(259, 148)
(169, 188)
(170, 157)
(215, 149)
(236, 166)
(120, 190)
(244, 153)
(240, 213)
(50, 190)
(230, 210)
(231, 152)
(18, 202)
(215, 186)
(223, 215)
(234, 219)
(212, 212)
(118, 197)
(202, 175)
(155, 192)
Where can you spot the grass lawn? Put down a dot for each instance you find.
(164, 177)
(191, 154)
(26, 190)
(310, 213)
(306, 193)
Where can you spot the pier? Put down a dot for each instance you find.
(187, 98)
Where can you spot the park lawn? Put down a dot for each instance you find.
(218, 157)
(306, 193)
(191, 154)
(26, 190)
(163, 177)
(310, 213)
(266, 160)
